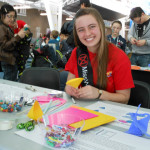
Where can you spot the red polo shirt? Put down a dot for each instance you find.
(118, 70)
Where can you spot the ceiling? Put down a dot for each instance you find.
(106, 14)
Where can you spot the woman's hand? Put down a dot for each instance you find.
(71, 91)
(87, 92)
(22, 33)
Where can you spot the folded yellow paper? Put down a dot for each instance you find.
(35, 111)
(75, 82)
(93, 122)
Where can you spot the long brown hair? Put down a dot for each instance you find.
(102, 53)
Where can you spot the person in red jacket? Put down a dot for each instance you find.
(105, 68)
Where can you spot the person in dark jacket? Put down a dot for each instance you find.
(23, 46)
(115, 38)
(70, 39)
(8, 42)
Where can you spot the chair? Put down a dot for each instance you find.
(140, 94)
(41, 76)
(141, 75)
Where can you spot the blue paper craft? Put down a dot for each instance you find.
(139, 127)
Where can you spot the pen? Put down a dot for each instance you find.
(73, 100)
(30, 88)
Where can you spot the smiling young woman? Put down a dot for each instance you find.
(105, 68)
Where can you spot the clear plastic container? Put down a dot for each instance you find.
(11, 108)
(57, 130)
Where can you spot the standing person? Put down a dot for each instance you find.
(139, 36)
(85, 3)
(8, 42)
(105, 68)
(23, 46)
(70, 39)
(115, 38)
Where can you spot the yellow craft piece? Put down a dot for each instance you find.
(75, 82)
(35, 111)
(93, 122)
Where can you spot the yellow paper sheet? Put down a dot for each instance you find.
(94, 122)
(75, 82)
(35, 111)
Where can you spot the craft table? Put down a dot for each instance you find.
(10, 141)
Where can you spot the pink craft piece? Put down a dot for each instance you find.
(46, 99)
(73, 115)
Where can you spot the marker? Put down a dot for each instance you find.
(30, 88)
(21, 100)
(73, 100)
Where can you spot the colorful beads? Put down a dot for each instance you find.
(10, 106)
(60, 136)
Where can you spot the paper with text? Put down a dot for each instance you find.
(100, 139)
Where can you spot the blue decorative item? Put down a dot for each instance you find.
(130, 23)
(139, 127)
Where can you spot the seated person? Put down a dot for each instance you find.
(53, 40)
(115, 38)
(105, 68)
(44, 55)
(65, 32)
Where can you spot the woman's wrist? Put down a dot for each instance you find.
(100, 92)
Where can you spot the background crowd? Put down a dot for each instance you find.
(61, 50)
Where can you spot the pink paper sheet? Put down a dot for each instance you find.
(46, 99)
(74, 115)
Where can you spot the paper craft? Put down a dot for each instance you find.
(94, 122)
(35, 111)
(75, 82)
(46, 99)
(44, 102)
(135, 67)
(77, 115)
(139, 127)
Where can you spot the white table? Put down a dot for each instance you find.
(11, 141)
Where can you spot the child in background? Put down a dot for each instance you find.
(115, 38)
(53, 42)
(23, 47)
